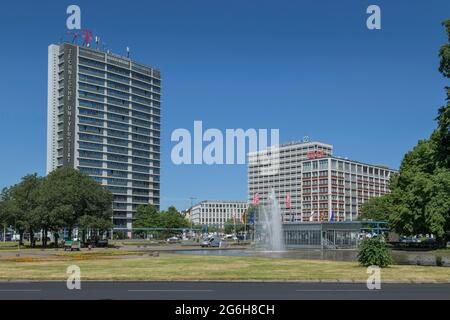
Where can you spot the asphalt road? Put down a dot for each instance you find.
(94, 290)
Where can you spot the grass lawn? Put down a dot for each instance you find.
(193, 267)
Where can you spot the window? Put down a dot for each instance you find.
(92, 113)
(95, 80)
(91, 146)
(91, 104)
(323, 164)
(117, 110)
(84, 136)
(90, 171)
(118, 141)
(90, 163)
(91, 154)
(117, 150)
(119, 126)
(92, 121)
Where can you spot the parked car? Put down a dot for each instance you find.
(71, 245)
(97, 243)
(230, 237)
(211, 242)
(173, 239)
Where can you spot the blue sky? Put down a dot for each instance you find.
(305, 67)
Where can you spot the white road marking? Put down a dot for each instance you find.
(169, 290)
(20, 290)
(332, 290)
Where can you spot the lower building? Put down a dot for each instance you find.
(334, 189)
(216, 213)
(311, 184)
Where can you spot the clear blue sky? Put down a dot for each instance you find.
(305, 67)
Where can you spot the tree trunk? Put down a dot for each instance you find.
(83, 237)
(21, 237)
(32, 238)
(44, 237)
(56, 239)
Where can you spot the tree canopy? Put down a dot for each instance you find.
(148, 217)
(419, 201)
(66, 198)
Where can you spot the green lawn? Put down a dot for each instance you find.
(192, 267)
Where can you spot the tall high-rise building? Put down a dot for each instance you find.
(312, 185)
(104, 120)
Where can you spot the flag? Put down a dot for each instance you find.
(256, 199)
(252, 217)
(288, 200)
(322, 216)
(311, 217)
(332, 216)
(243, 217)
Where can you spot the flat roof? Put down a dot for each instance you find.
(110, 53)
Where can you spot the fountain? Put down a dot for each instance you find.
(269, 233)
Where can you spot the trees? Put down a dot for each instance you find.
(22, 204)
(420, 193)
(148, 217)
(378, 208)
(64, 199)
(69, 198)
(419, 201)
(172, 219)
(6, 210)
(232, 227)
(442, 134)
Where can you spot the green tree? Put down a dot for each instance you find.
(147, 217)
(231, 227)
(23, 205)
(6, 209)
(420, 193)
(67, 196)
(378, 208)
(442, 134)
(173, 219)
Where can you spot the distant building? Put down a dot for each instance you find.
(287, 178)
(317, 185)
(216, 213)
(104, 120)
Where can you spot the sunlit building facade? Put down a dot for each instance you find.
(312, 185)
(217, 213)
(104, 119)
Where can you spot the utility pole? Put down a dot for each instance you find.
(190, 210)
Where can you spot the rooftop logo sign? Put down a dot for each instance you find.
(315, 154)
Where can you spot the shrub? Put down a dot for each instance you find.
(374, 252)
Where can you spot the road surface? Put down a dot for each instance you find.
(203, 290)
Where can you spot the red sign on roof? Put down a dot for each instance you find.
(315, 154)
